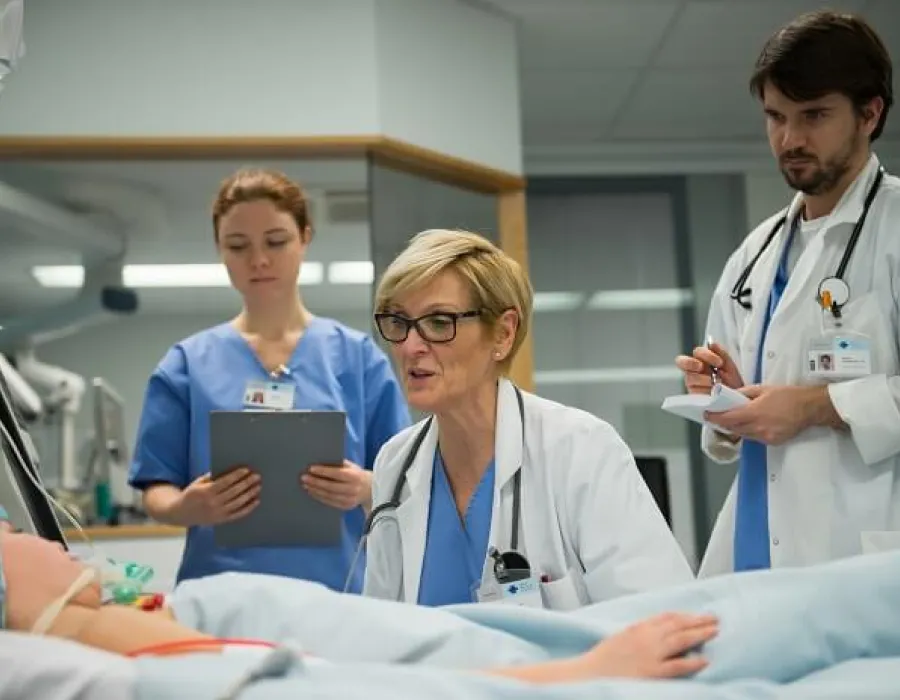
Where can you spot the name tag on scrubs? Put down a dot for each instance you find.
(525, 593)
(272, 396)
(839, 356)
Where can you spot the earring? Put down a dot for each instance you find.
(497, 354)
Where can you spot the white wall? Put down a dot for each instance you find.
(448, 80)
(440, 74)
(128, 67)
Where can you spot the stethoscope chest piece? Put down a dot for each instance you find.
(832, 294)
(509, 566)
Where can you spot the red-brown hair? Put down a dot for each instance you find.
(252, 185)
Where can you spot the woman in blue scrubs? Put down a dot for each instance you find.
(262, 231)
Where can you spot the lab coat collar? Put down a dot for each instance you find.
(847, 211)
(412, 514)
(507, 443)
(850, 206)
(508, 434)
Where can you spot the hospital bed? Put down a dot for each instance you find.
(828, 632)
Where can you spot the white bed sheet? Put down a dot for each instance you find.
(44, 668)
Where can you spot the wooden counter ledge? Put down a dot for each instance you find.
(124, 532)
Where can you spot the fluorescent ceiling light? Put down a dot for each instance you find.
(609, 375)
(351, 272)
(557, 301)
(634, 299)
(142, 276)
(311, 273)
(160, 276)
(59, 275)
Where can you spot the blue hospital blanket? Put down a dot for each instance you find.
(779, 631)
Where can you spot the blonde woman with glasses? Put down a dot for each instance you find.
(498, 495)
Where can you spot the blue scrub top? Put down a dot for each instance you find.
(333, 368)
(455, 547)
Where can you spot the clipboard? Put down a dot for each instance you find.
(279, 446)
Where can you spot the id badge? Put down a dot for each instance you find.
(525, 593)
(839, 356)
(271, 396)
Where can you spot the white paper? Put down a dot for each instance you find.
(693, 406)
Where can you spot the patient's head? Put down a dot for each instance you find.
(35, 572)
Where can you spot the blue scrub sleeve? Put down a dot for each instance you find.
(162, 450)
(387, 412)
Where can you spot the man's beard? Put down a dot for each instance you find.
(823, 177)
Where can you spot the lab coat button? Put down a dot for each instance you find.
(770, 354)
(772, 477)
(775, 541)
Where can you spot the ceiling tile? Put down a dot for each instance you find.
(691, 104)
(529, 8)
(602, 35)
(731, 34)
(566, 103)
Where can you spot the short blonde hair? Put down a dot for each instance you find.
(496, 281)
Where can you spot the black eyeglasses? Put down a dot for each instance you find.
(439, 327)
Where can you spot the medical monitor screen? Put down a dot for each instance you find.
(655, 473)
(19, 477)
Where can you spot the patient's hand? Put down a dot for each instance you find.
(653, 648)
(38, 572)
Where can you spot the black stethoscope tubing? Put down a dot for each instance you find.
(394, 502)
(740, 292)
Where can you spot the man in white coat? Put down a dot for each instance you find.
(804, 320)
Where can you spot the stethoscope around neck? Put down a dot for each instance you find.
(508, 566)
(833, 292)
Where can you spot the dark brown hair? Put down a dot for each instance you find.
(252, 185)
(826, 52)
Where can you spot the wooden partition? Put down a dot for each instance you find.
(508, 188)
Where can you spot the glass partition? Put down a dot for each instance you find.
(52, 211)
(162, 209)
(609, 319)
(402, 204)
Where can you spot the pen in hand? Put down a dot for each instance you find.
(713, 369)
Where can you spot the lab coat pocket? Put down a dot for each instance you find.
(563, 594)
(875, 541)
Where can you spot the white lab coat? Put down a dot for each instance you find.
(829, 491)
(588, 520)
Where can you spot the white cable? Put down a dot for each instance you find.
(40, 487)
(52, 611)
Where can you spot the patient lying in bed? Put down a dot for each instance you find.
(39, 575)
(781, 626)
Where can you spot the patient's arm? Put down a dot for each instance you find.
(654, 648)
(650, 649)
(123, 630)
